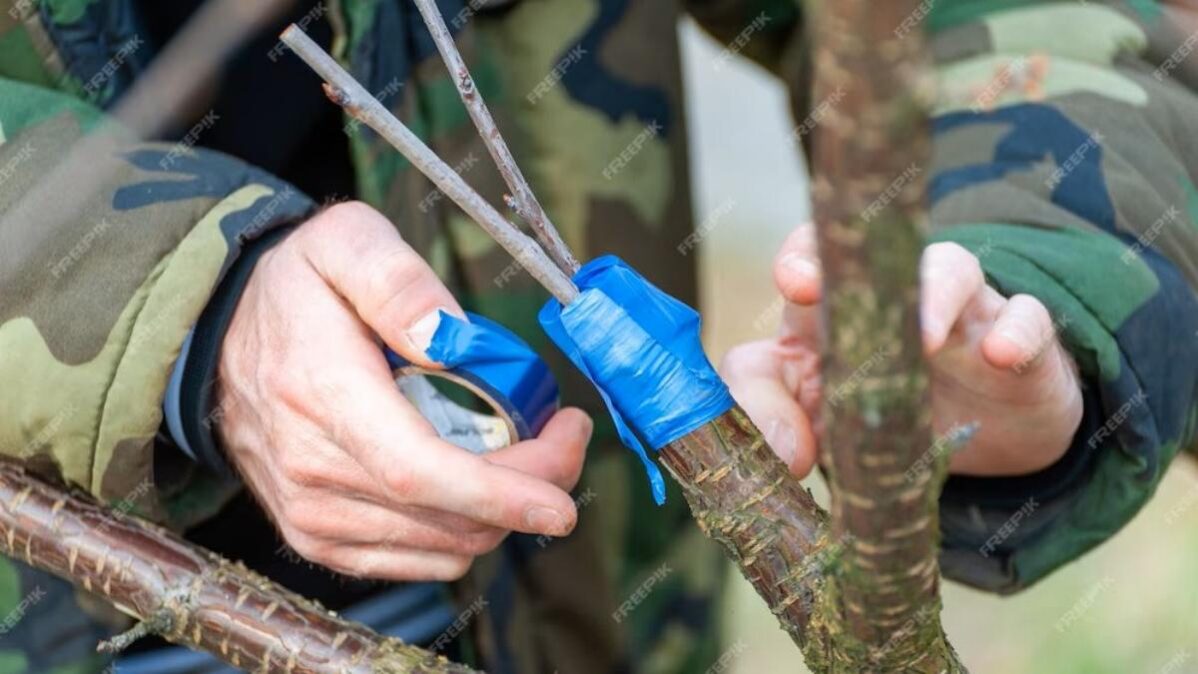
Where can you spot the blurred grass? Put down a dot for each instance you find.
(1136, 595)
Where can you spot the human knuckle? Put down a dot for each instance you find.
(1034, 307)
(323, 383)
(739, 356)
(470, 544)
(971, 269)
(300, 471)
(952, 256)
(345, 214)
(401, 479)
(353, 564)
(305, 516)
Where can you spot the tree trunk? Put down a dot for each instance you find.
(881, 609)
(187, 594)
(859, 591)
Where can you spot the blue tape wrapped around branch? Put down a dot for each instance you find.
(641, 349)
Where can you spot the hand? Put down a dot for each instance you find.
(994, 360)
(353, 476)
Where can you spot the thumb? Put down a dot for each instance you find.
(362, 257)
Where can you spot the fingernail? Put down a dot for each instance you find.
(783, 439)
(1020, 338)
(420, 335)
(588, 429)
(931, 327)
(801, 266)
(546, 520)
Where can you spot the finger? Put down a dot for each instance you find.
(361, 411)
(397, 563)
(445, 477)
(360, 254)
(556, 455)
(322, 516)
(755, 376)
(796, 267)
(801, 326)
(411, 465)
(951, 278)
(1021, 335)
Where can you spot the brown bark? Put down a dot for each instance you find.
(857, 591)
(186, 594)
(743, 497)
(881, 609)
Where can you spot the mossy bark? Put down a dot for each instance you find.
(856, 589)
(744, 497)
(880, 610)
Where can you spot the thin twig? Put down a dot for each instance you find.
(527, 205)
(159, 623)
(345, 91)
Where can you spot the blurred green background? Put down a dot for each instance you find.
(1134, 600)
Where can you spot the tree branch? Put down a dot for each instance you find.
(186, 594)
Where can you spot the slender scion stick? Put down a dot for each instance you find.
(344, 90)
(523, 201)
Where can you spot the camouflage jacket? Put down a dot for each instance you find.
(1063, 158)
(1064, 164)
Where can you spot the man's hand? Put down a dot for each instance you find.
(350, 472)
(994, 360)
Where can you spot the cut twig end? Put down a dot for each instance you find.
(289, 32)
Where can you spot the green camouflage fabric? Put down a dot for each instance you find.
(1066, 161)
(1064, 158)
(109, 250)
(1055, 161)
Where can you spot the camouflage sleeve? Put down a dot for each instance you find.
(1065, 158)
(110, 250)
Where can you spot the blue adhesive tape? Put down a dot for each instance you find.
(641, 349)
(495, 364)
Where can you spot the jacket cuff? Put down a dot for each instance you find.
(189, 408)
(1128, 319)
(984, 521)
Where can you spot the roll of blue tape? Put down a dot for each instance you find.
(494, 364)
(641, 349)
